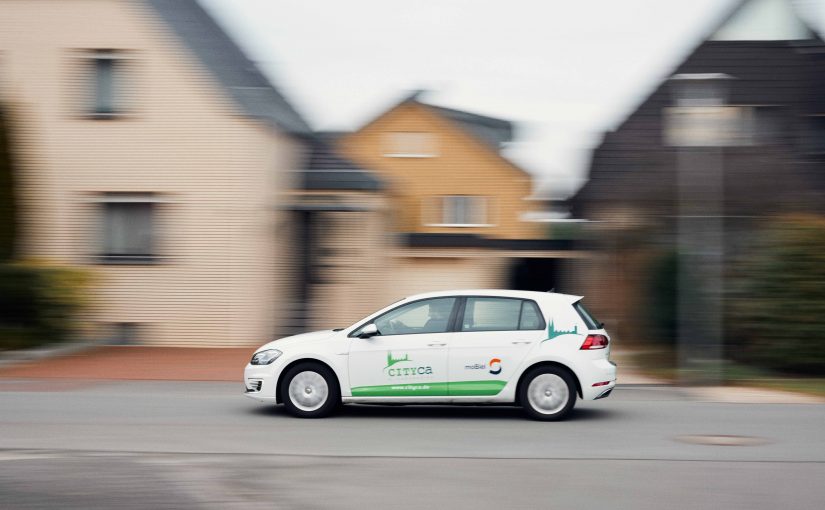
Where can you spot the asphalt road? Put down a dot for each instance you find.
(202, 445)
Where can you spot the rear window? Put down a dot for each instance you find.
(586, 316)
(500, 314)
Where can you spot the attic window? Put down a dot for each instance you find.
(410, 145)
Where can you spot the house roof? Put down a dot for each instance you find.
(489, 129)
(633, 165)
(327, 170)
(240, 77)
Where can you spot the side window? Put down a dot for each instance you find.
(426, 316)
(530, 316)
(491, 314)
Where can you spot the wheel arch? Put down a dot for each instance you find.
(547, 363)
(298, 362)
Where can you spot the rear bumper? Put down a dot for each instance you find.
(598, 380)
(606, 393)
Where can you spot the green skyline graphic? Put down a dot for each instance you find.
(392, 361)
(552, 332)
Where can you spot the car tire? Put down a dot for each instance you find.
(310, 390)
(547, 393)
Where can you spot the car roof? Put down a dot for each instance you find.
(523, 294)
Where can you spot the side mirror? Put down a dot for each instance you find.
(368, 331)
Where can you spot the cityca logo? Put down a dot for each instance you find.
(391, 360)
(404, 371)
(495, 366)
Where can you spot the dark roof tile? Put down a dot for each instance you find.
(219, 54)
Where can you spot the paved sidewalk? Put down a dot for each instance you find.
(139, 363)
(746, 395)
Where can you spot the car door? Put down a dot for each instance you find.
(408, 356)
(494, 334)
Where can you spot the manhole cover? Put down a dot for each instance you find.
(722, 440)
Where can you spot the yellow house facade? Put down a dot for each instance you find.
(445, 173)
(456, 210)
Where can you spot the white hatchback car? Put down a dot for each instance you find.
(534, 349)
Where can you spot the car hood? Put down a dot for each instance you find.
(303, 338)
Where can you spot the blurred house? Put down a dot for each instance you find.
(418, 199)
(336, 220)
(461, 214)
(153, 150)
(764, 128)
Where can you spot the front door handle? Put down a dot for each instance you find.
(436, 345)
(522, 342)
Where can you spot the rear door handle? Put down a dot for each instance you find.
(436, 345)
(522, 342)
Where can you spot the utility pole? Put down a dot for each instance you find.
(700, 125)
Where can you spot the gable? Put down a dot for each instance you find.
(256, 96)
(763, 20)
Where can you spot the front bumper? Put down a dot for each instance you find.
(260, 383)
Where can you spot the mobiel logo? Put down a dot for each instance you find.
(402, 371)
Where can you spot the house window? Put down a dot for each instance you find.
(105, 84)
(722, 126)
(128, 229)
(459, 211)
(410, 145)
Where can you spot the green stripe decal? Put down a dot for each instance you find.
(472, 388)
(428, 389)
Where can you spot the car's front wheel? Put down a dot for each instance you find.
(548, 393)
(310, 390)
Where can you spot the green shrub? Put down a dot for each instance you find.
(662, 300)
(777, 306)
(39, 304)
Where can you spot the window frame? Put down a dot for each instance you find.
(444, 200)
(451, 321)
(391, 145)
(127, 259)
(456, 316)
(460, 318)
(117, 61)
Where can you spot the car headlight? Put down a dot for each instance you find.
(265, 357)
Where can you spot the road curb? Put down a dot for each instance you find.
(17, 357)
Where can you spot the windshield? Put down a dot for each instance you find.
(586, 316)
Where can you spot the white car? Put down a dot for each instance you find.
(534, 349)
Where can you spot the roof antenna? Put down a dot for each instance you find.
(552, 290)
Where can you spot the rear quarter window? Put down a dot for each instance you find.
(586, 316)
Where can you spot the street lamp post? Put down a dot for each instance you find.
(700, 125)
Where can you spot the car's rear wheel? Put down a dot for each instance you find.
(548, 393)
(310, 390)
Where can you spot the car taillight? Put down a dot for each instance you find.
(594, 342)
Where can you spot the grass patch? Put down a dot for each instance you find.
(661, 364)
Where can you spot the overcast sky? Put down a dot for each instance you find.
(563, 70)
